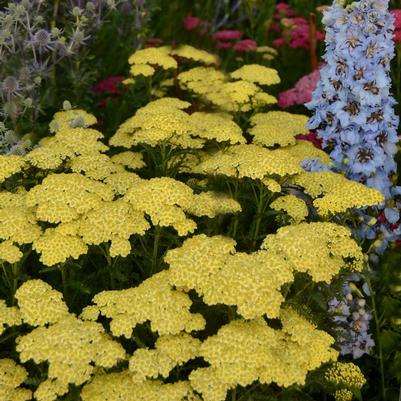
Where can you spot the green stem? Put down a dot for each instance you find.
(155, 260)
(234, 395)
(259, 213)
(64, 279)
(379, 345)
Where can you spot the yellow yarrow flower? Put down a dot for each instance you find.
(334, 193)
(10, 165)
(343, 395)
(72, 348)
(257, 73)
(64, 197)
(132, 160)
(56, 247)
(119, 386)
(319, 249)
(112, 221)
(211, 204)
(9, 316)
(154, 300)
(192, 53)
(9, 252)
(39, 304)
(11, 378)
(346, 375)
(142, 69)
(170, 351)
(154, 56)
(277, 128)
(73, 118)
(295, 208)
(250, 161)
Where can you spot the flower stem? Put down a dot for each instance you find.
(379, 345)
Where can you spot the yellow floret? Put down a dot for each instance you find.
(277, 128)
(257, 73)
(9, 252)
(343, 395)
(40, 304)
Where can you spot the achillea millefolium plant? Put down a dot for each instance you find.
(190, 258)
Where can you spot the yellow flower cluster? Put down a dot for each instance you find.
(18, 224)
(295, 207)
(115, 221)
(11, 378)
(216, 88)
(154, 300)
(9, 165)
(132, 160)
(119, 386)
(211, 204)
(170, 351)
(277, 128)
(333, 193)
(319, 249)
(74, 118)
(39, 304)
(249, 161)
(244, 351)
(164, 121)
(343, 395)
(306, 150)
(191, 53)
(64, 197)
(257, 73)
(345, 374)
(208, 265)
(143, 61)
(9, 316)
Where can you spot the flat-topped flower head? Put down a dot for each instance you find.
(74, 118)
(295, 207)
(10, 165)
(277, 128)
(154, 56)
(192, 53)
(257, 73)
(12, 376)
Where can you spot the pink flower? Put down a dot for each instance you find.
(190, 23)
(109, 85)
(282, 6)
(301, 93)
(397, 18)
(227, 35)
(278, 42)
(397, 36)
(311, 137)
(224, 45)
(246, 45)
(275, 27)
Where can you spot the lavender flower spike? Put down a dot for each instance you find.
(353, 106)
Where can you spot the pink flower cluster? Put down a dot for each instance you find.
(301, 93)
(397, 25)
(225, 39)
(293, 30)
